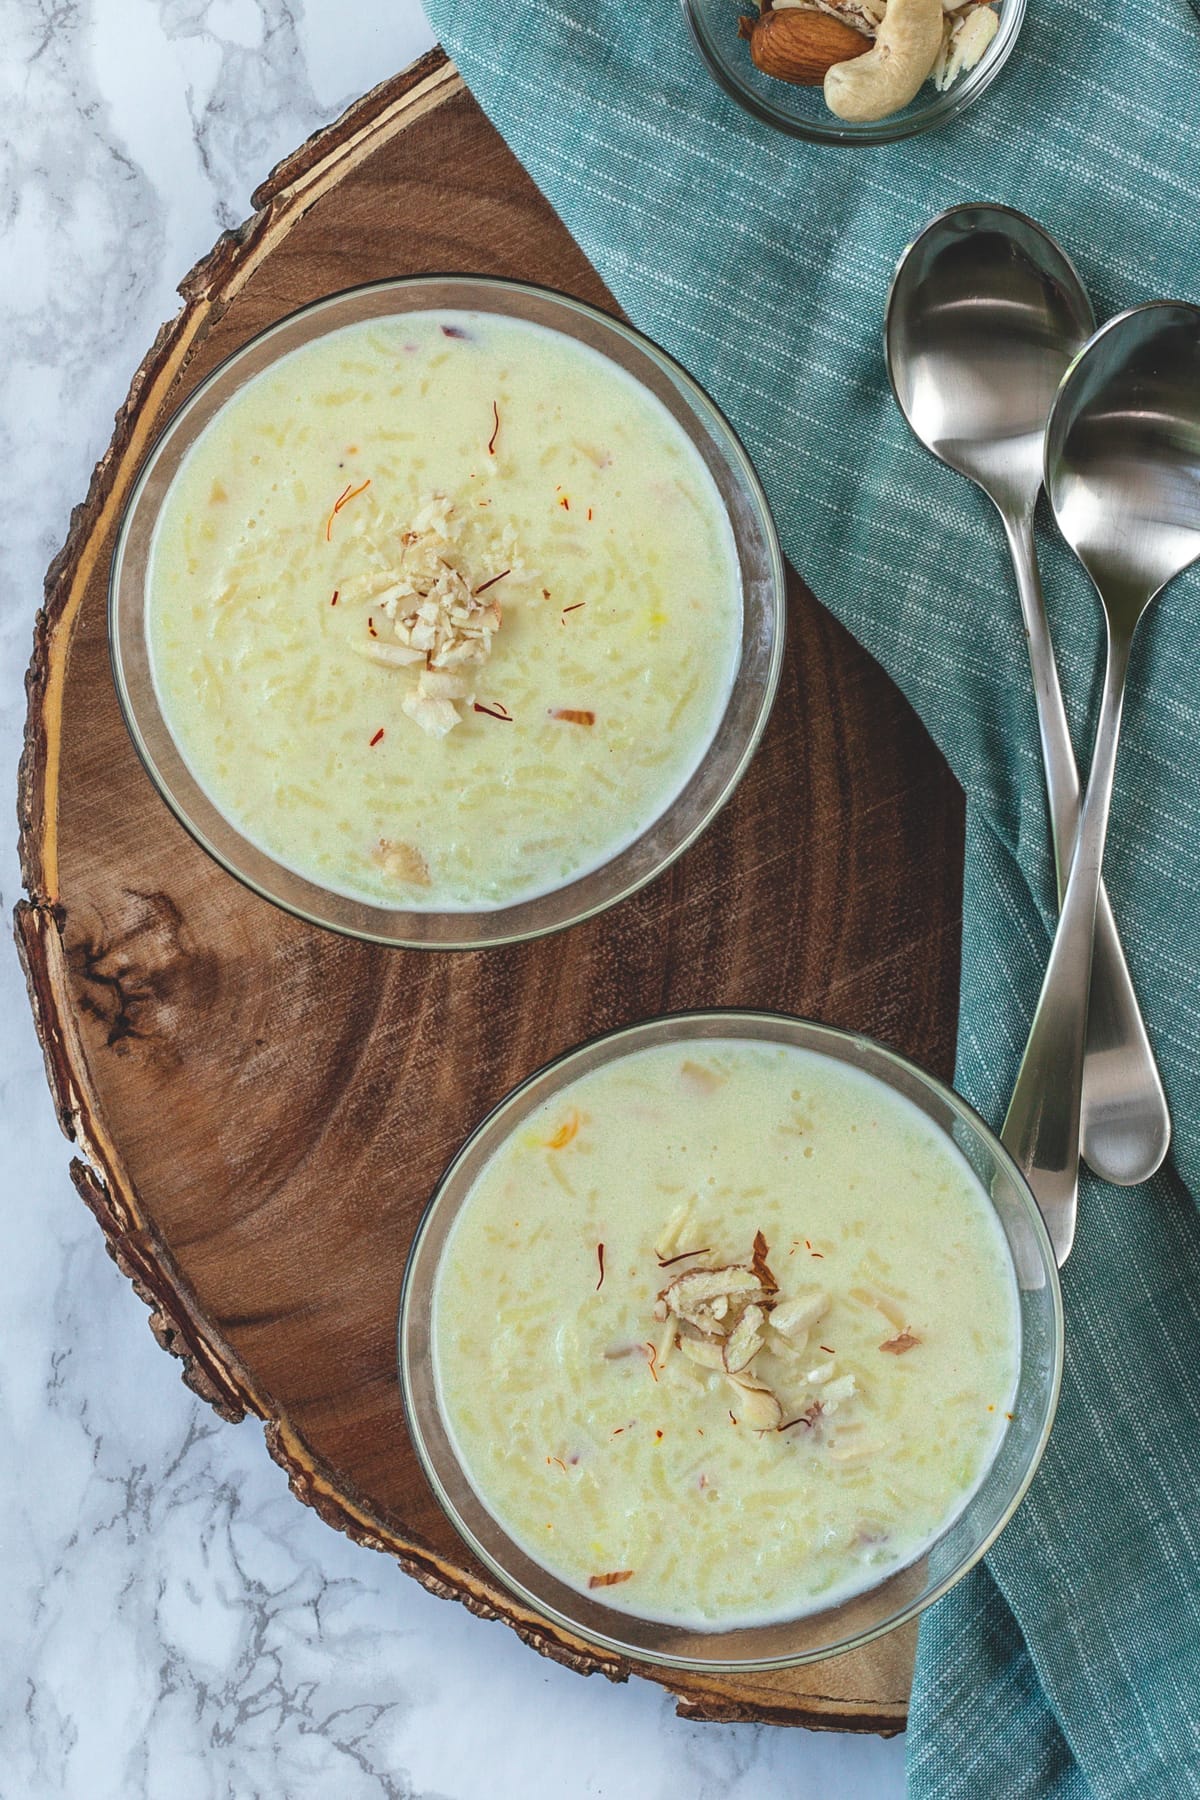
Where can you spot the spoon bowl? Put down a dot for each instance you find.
(984, 317)
(1123, 454)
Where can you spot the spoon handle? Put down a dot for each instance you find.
(1041, 1131)
(1125, 1125)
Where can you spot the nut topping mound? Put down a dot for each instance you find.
(426, 610)
(725, 1318)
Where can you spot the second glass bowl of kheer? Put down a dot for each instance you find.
(731, 1340)
(447, 612)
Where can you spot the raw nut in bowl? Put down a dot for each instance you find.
(907, 44)
(800, 46)
(895, 45)
(857, 71)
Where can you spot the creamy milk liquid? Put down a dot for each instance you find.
(630, 1472)
(618, 587)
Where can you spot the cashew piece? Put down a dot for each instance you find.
(889, 76)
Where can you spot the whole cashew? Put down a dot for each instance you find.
(888, 77)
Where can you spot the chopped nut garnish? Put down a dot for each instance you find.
(402, 862)
(441, 684)
(434, 716)
(759, 1264)
(611, 1579)
(721, 1320)
(759, 1407)
(388, 656)
(896, 1346)
(744, 1341)
(438, 616)
(794, 1318)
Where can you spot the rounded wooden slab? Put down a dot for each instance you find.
(261, 1108)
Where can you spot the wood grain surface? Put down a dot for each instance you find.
(261, 1109)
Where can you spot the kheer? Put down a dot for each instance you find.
(444, 610)
(725, 1332)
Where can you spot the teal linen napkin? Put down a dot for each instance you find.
(1069, 1665)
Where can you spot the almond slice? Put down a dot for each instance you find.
(791, 1318)
(388, 656)
(744, 1341)
(758, 1406)
(704, 1352)
(436, 717)
(758, 1262)
(440, 684)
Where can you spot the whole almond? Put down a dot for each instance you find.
(800, 46)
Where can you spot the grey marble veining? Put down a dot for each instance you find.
(172, 1622)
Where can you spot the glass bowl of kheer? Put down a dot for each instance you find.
(730, 1340)
(447, 612)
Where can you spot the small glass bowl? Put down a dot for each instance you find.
(760, 564)
(852, 1622)
(802, 112)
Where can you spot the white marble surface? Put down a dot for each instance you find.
(172, 1622)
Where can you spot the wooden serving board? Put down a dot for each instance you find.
(261, 1108)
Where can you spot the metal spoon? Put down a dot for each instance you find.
(1123, 476)
(984, 316)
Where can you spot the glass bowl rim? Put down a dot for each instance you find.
(812, 1029)
(842, 133)
(735, 455)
